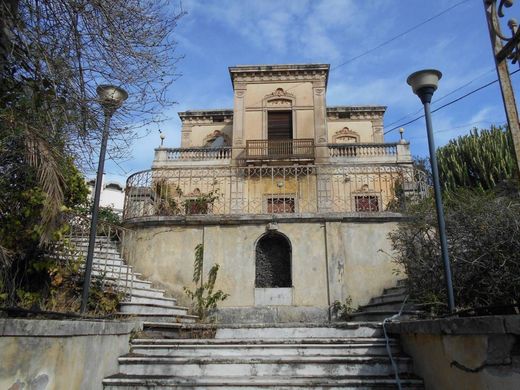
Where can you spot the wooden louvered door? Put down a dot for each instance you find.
(279, 133)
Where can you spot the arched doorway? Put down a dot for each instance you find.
(273, 261)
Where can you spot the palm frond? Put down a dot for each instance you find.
(40, 154)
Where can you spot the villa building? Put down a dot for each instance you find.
(292, 198)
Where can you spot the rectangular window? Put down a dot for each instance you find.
(280, 205)
(279, 125)
(196, 206)
(366, 203)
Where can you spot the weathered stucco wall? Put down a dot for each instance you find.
(480, 353)
(49, 355)
(359, 262)
(330, 260)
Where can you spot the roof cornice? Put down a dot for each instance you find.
(288, 72)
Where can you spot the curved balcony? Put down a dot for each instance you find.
(268, 190)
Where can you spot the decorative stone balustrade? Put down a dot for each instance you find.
(189, 155)
(370, 152)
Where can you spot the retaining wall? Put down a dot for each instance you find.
(55, 354)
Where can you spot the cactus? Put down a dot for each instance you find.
(478, 160)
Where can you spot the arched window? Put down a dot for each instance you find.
(273, 261)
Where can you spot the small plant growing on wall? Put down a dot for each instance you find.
(167, 199)
(201, 204)
(204, 297)
(342, 311)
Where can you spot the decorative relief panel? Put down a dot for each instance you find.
(344, 136)
(279, 98)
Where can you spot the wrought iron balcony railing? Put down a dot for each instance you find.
(304, 189)
(285, 149)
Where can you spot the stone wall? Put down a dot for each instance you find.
(479, 353)
(51, 354)
(331, 257)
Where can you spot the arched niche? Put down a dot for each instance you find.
(273, 261)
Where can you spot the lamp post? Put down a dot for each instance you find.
(424, 83)
(110, 98)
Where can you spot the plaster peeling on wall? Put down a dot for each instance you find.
(38, 383)
(341, 270)
(462, 367)
(156, 234)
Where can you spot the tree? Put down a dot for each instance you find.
(53, 54)
(478, 160)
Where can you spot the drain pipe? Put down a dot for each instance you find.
(324, 226)
(387, 340)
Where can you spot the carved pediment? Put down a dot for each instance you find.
(345, 135)
(279, 98)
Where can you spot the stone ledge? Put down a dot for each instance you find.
(459, 326)
(14, 327)
(262, 218)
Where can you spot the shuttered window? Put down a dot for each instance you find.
(279, 125)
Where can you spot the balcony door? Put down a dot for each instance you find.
(279, 133)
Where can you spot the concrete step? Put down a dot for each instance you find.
(394, 306)
(330, 382)
(263, 366)
(148, 292)
(135, 284)
(137, 297)
(241, 349)
(394, 290)
(151, 308)
(377, 316)
(157, 319)
(284, 331)
(388, 298)
(401, 283)
(117, 275)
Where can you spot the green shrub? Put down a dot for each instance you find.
(483, 230)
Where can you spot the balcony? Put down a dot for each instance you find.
(294, 150)
(363, 153)
(165, 157)
(269, 190)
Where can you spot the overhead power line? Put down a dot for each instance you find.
(449, 103)
(415, 27)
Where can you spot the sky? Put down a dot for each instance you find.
(350, 35)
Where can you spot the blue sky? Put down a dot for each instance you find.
(217, 34)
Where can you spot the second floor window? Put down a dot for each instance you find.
(279, 125)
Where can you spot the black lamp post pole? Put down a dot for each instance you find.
(425, 94)
(95, 213)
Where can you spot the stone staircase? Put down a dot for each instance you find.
(142, 302)
(386, 305)
(262, 356)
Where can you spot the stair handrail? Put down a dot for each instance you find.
(78, 227)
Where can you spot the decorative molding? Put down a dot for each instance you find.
(280, 93)
(294, 76)
(345, 133)
(319, 91)
(217, 133)
(279, 98)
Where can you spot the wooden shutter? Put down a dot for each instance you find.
(279, 125)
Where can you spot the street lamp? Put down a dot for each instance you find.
(424, 83)
(110, 98)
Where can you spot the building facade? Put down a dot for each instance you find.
(293, 199)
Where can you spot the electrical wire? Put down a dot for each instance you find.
(395, 37)
(449, 103)
(415, 27)
(435, 101)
